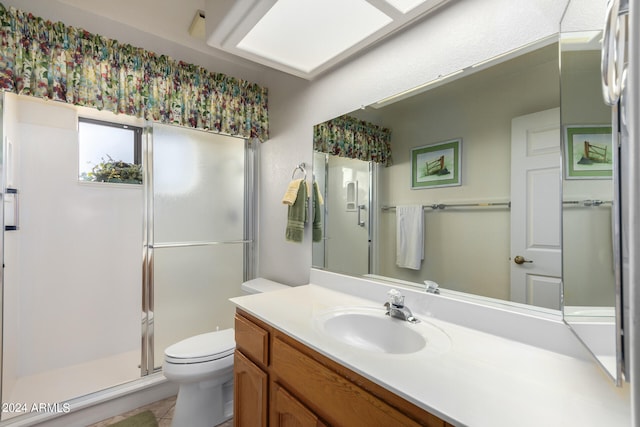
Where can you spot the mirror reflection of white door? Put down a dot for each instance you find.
(536, 254)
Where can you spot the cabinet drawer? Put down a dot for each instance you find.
(252, 340)
(333, 397)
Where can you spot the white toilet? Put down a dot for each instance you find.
(203, 367)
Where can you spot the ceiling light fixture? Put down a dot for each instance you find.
(196, 29)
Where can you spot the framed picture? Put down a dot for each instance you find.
(437, 165)
(588, 152)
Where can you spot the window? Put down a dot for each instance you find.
(109, 152)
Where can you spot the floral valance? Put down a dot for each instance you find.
(53, 61)
(346, 136)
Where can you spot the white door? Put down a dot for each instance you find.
(536, 253)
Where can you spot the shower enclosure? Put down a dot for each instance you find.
(100, 277)
(349, 216)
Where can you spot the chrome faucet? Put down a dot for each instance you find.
(396, 308)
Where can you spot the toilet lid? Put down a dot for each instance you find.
(202, 348)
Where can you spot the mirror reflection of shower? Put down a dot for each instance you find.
(346, 189)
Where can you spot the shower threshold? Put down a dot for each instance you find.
(47, 391)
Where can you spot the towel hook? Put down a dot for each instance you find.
(299, 167)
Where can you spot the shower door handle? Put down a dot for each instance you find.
(360, 220)
(14, 199)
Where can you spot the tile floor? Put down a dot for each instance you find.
(162, 409)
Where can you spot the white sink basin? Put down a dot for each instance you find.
(371, 329)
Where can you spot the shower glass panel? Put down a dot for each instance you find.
(197, 235)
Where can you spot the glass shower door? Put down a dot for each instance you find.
(71, 257)
(348, 231)
(197, 233)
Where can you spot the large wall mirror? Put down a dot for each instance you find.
(514, 222)
(467, 227)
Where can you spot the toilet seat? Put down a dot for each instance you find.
(202, 348)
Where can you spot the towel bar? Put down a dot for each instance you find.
(301, 167)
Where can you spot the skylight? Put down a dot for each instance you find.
(305, 34)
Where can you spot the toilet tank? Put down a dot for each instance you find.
(260, 285)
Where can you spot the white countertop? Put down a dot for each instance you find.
(479, 380)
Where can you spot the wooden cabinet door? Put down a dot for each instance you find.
(250, 393)
(286, 411)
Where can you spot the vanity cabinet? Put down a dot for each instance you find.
(281, 382)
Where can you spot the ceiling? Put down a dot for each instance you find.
(304, 38)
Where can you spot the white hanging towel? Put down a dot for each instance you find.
(409, 236)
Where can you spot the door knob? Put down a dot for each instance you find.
(519, 259)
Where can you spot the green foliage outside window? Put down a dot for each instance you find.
(114, 171)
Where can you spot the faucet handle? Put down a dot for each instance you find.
(396, 298)
(431, 287)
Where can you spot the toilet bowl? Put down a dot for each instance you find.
(202, 365)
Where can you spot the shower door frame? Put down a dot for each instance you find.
(3, 183)
(147, 362)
